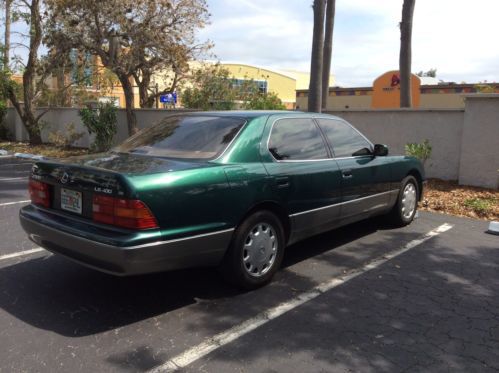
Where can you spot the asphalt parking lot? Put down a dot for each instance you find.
(364, 298)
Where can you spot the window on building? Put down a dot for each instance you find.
(262, 85)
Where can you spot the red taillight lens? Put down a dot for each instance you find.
(39, 193)
(126, 213)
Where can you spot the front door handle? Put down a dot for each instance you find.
(347, 174)
(282, 182)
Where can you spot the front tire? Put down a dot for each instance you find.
(407, 202)
(256, 251)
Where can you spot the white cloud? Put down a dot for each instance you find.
(455, 36)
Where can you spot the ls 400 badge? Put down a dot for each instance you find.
(103, 190)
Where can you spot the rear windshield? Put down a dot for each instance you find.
(185, 137)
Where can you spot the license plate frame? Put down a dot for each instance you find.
(71, 200)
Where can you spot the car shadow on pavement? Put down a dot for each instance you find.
(430, 309)
(53, 293)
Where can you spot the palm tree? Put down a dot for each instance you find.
(328, 49)
(315, 91)
(406, 53)
(6, 47)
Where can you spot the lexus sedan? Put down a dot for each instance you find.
(227, 189)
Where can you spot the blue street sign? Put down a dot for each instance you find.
(166, 99)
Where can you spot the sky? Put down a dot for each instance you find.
(458, 38)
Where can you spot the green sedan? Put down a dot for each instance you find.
(227, 189)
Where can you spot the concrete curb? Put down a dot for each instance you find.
(493, 228)
(29, 156)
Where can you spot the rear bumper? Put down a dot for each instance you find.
(194, 251)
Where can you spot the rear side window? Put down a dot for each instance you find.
(185, 137)
(344, 139)
(296, 139)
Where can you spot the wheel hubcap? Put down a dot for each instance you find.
(260, 248)
(409, 200)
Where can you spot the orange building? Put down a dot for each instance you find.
(386, 91)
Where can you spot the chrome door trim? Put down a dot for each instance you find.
(394, 191)
(181, 239)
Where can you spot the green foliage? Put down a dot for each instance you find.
(420, 151)
(266, 101)
(214, 89)
(4, 131)
(480, 205)
(65, 138)
(100, 121)
(3, 110)
(484, 88)
(6, 84)
(430, 73)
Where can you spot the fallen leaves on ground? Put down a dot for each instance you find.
(46, 150)
(450, 198)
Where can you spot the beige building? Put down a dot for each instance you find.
(284, 83)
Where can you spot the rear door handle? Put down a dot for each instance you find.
(282, 182)
(347, 174)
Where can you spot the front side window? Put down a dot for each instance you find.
(296, 139)
(344, 139)
(186, 137)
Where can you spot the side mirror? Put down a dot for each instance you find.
(380, 150)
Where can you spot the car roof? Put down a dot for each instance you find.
(250, 114)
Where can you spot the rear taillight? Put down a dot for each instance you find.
(39, 193)
(126, 213)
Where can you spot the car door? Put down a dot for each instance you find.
(365, 179)
(305, 178)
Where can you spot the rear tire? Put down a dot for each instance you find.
(407, 202)
(256, 251)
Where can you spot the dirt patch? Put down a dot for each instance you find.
(46, 150)
(450, 198)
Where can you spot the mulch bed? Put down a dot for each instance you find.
(450, 198)
(46, 150)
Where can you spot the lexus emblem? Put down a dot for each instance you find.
(64, 178)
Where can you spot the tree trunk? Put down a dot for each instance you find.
(6, 56)
(130, 112)
(26, 110)
(406, 53)
(328, 50)
(315, 87)
(143, 81)
(28, 119)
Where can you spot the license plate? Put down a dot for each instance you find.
(71, 200)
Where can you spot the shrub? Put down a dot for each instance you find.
(420, 151)
(4, 131)
(65, 138)
(100, 121)
(480, 205)
(265, 101)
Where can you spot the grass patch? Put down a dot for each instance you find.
(480, 205)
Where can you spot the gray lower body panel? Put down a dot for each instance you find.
(308, 223)
(196, 251)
